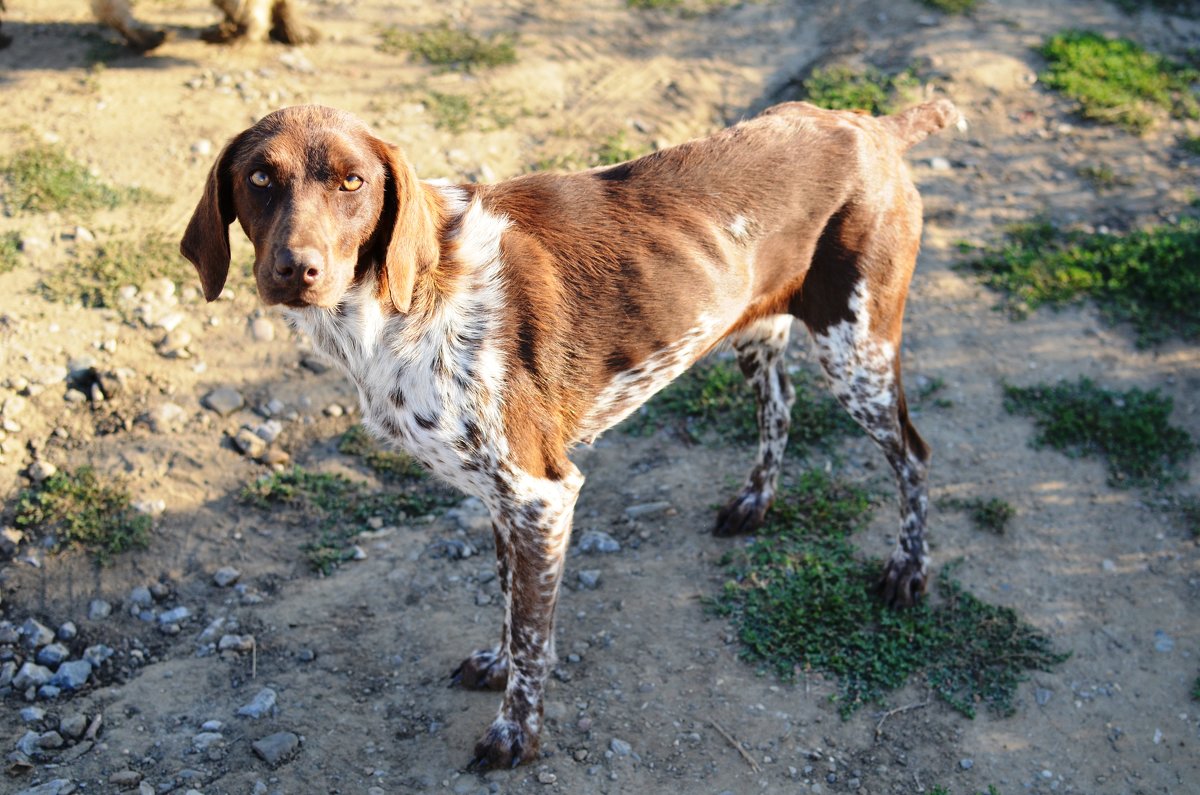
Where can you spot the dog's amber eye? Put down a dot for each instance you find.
(352, 182)
(260, 179)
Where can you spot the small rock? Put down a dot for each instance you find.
(620, 747)
(9, 633)
(125, 779)
(72, 675)
(224, 400)
(966, 764)
(205, 740)
(249, 443)
(306, 655)
(226, 576)
(589, 578)
(50, 740)
(32, 714)
(236, 643)
(40, 470)
(8, 670)
(49, 692)
(67, 631)
(202, 147)
(939, 164)
(274, 749)
(140, 596)
(212, 726)
(73, 725)
(35, 634)
(175, 615)
(82, 234)
(174, 345)
(1043, 696)
(58, 786)
(646, 510)
(314, 365)
(99, 609)
(546, 777)
(1108, 565)
(97, 655)
(1163, 642)
(262, 329)
(170, 321)
(334, 410)
(598, 541)
(260, 705)
(153, 508)
(52, 654)
(269, 431)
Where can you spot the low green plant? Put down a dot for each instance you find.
(451, 112)
(340, 508)
(1196, 689)
(952, 6)
(449, 48)
(712, 402)
(801, 600)
(929, 392)
(1103, 177)
(1191, 144)
(77, 510)
(10, 251)
(42, 179)
(1147, 278)
(1116, 81)
(388, 464)
(646, 4)
(1130, 429)
(992, 514)
(868, 89)
(94, 276)
(617, 149)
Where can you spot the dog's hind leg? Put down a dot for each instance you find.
(760, 351)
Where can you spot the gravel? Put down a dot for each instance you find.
(98, 609)
(226, 576)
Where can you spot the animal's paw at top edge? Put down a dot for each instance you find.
(743, 514)
(505, 745)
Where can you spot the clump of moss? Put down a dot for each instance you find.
(77, 510)
(867, 89)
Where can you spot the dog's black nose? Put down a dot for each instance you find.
(303, 265)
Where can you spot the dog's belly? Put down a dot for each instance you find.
(629, 389)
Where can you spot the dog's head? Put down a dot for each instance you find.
(324, 202)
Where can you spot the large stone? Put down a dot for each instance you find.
(274, 749)
(224, 400)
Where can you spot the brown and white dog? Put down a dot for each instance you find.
(489, 328)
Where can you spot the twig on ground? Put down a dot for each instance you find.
(736, 745)
(897, 711)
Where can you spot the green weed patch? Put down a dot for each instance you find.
(712, 402)
(386, 463)
(94, 276)
(340, 508)
(1147, 278)
(952, 6)
(1131, 430)
(42, 179)
(10, 251)
(801, 600)
(77, 510)
(1115, 81)
(450, 48)
(992, 514)
(845, 88)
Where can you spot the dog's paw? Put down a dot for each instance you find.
(486, 669)
(743, 514)
(904, 581)
(506, 745)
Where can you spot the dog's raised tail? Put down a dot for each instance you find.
(916, 124)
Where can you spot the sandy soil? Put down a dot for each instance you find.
(358, 660)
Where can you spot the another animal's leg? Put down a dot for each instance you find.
(534, 519)
(288, 27)
(860, 356)
(117, 15)
(760, 350)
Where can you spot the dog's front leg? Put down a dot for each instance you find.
(532, 526)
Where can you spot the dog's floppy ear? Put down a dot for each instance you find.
(409, 227)
(206, 241)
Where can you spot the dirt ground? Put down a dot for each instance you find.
(358, 660)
